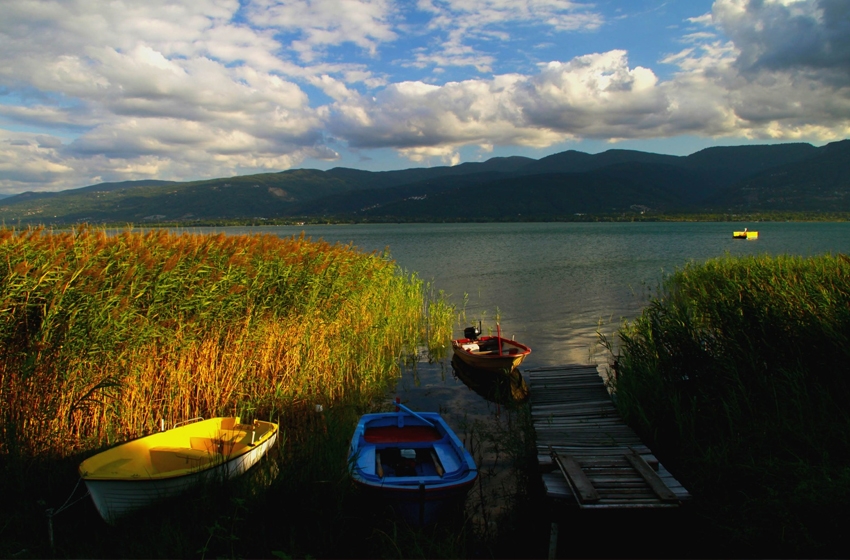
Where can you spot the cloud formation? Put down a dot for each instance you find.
(123, 90)
(317, 24)
(788, 35)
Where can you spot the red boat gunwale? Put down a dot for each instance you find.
(404, 434)
(485, 342)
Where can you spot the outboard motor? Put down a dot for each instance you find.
(471, 332)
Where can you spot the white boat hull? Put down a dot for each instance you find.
(116, 498)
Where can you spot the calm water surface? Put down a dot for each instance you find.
(553, 286)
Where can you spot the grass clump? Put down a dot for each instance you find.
(736, 375)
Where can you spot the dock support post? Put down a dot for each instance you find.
(553, 540)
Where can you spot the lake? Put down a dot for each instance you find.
(553, 285)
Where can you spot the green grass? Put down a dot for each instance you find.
(736, 375)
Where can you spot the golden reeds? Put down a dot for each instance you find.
(101, 336)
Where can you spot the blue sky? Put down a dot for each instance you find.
(95, 91)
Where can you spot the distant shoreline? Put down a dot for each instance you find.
(754, 217)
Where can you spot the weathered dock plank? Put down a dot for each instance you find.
(591, 457)
(579, 482)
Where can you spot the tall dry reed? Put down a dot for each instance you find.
(103, 336)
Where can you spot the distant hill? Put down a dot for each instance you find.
(534, 197)
(724, 179)
(572, 161)
(819, 183)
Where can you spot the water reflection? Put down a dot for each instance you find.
(496, 387)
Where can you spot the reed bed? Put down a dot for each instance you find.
(104, 336)
(736, 374)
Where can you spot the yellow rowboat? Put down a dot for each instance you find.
(745, 234)
(138, 473)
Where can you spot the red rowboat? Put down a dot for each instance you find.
(494, 353)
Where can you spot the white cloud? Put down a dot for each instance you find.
(131, 152)
(562, 15)
(27, 163)
(321, 23)
(453, 53)
(422, 120)
(595, 96)
(41, 115)
(784, 73)
(467, 21)
(150, 88)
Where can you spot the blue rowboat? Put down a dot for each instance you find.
(413, 460)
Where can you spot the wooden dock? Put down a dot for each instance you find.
(589, 457)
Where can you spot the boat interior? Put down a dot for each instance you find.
(407, 451)
(230, 440)
(488, 346)
(194, 446)
(407, 461)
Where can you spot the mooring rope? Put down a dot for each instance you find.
(51, 512)
(66, 505)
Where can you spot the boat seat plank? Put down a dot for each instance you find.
(448, 460)
(229, 444)
(436, 461)
(366, 460)
(175, 458)
(203, 444)
(236, 434)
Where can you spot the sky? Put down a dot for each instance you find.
(97, 91)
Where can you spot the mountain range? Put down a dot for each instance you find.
(795, 177)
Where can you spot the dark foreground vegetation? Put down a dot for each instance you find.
(736, 374)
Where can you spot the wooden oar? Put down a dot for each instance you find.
(404, 408)
(499, 337)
